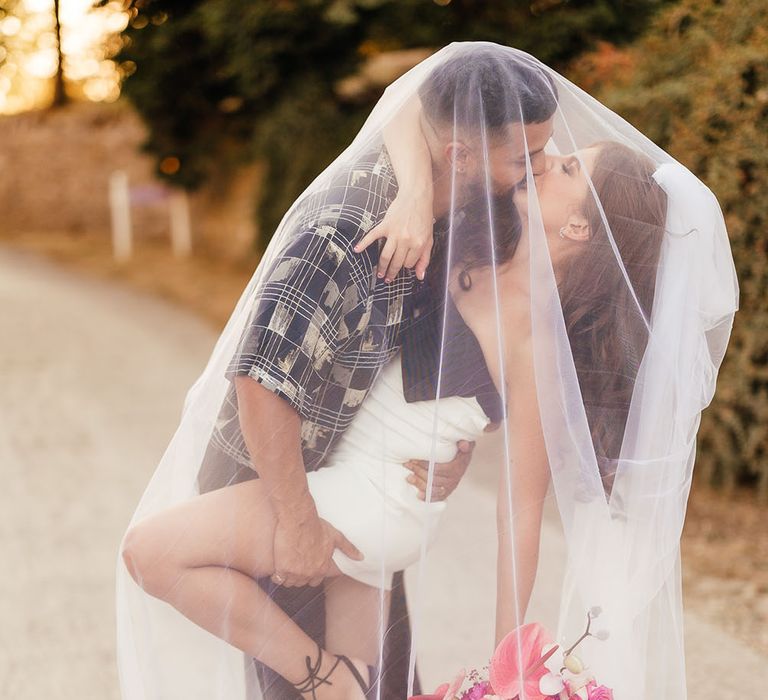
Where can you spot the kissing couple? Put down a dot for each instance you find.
(495, 252)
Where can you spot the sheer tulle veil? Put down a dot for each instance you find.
(581, 294)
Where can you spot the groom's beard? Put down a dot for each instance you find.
(473, 193)
(476, 229)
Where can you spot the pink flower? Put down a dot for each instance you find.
(445, 691)
(518, 661)
(600, 692)
(478, 691)
(439, 694)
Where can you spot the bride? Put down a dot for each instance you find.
(600, 291)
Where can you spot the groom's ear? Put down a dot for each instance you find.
(458, 155)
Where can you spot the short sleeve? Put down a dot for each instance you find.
(300, 318)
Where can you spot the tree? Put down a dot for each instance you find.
(697, 84)
(219, 81)
(59, 94)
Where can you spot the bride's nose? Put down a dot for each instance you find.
(538, 164)
(552, 161)
(546, 163)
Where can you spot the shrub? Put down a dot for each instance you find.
(697, 84)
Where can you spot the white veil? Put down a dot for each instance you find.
(626, 555)
(625, 330)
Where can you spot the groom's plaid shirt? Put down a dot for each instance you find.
(323, 325)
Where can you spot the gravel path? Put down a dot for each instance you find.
(93, 378)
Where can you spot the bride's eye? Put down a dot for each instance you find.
(567, 168)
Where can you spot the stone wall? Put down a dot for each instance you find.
(55, 169)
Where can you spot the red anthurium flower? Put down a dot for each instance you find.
(439, 694)
(445, 691)
(518, 664)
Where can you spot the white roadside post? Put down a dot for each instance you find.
(120, 211)
(181, 231)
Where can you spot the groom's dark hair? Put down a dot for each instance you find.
(491, 85)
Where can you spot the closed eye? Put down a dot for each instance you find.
(571, 167)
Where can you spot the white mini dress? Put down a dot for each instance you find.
(362, 491)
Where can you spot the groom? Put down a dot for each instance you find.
(308, 356)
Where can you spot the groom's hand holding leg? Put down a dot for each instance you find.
(303, 547)
(447, 475)
(303, 542)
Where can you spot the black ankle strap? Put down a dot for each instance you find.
(313, 681)
(366, 686)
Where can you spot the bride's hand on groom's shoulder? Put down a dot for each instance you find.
(302, 550)
(407, 228)
(447, 475)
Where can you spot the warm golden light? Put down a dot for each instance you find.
(10, 26)
(170, 165)
(28, 54)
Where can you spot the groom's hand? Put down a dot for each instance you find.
(303, 547)
(447, 475)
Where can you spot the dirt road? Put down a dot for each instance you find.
(93, 378)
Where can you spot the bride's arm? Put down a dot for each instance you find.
(407, 225)
(522, 489)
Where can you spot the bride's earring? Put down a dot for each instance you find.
(577, 229)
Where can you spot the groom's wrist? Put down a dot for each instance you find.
(294, 508)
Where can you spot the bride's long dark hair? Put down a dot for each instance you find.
(488, 233)
(607, 331)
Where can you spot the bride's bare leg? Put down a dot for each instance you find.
(203, 557)
(355, 615)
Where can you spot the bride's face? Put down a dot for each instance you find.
(561, 190)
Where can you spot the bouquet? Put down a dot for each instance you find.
(523, 668)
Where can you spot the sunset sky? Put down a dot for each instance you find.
(28, 53)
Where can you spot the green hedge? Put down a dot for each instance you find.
(226, 81)
(697, 84)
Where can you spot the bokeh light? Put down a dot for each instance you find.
(29, 56)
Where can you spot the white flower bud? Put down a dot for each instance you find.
(573, 663)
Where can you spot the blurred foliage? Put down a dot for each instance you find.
(697, 84)
(8, 8)
(222, 81)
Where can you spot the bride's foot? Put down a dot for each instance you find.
(352, 685)
(333, 677)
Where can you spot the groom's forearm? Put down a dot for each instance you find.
(272, 432)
